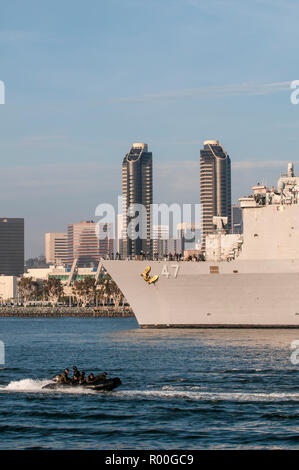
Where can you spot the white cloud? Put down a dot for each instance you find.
(237, 89)
(249, 164)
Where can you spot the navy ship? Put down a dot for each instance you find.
(254, 284)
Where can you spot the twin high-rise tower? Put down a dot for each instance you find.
(215, 186)
(137, 191)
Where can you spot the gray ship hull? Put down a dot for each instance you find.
(238, 294)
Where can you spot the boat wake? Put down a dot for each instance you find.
(169, 393)
(165, 393)
(35, 386)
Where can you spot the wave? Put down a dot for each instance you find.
(209, 396)
(167, 392)
(34, 386)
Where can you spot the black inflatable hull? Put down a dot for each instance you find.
(101, 386)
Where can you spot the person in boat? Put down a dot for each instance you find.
(82, 378)
(76, 372)
(101, 376)
(75, 380)
(90, 378)
(64, 378)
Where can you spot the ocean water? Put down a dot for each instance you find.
(181, 389)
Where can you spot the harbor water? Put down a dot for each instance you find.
(181, 389)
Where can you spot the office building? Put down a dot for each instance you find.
(160, 240)
(215, 186)
(106, 240)
(84, 243)
(56, 248)
(8, 288)
(137, 188)
(11, 246)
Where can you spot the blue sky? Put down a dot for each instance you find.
(86, 79)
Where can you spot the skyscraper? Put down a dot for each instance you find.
(137, 188)
(215, 186)
(85, 245)
(160, 240)
(11, 246)
(56, 248)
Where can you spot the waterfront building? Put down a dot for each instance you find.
(137, 188)
(85, 246)
(11, 246)
(8, 288)
(60, 272)
(56, 248)
(215, 186)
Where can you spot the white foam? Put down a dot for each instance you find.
(33, 386)
(25, 385)
(210, 396)
(167, 392)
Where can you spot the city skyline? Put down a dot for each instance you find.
(137, 193)
(188, 167)
(73, 104)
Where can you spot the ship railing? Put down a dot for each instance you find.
(179, 258)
